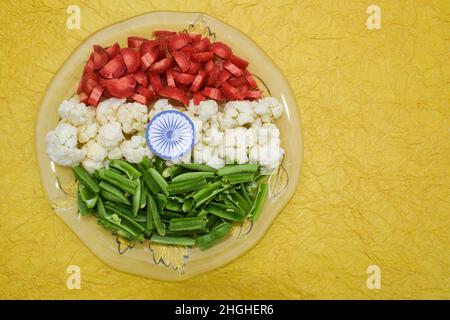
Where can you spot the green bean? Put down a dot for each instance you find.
(161, 201)
(186, 186)
(130, 221)
(227, 214)
(135, 204)
(207, 190)
(85, 178)
(126, 168)
(141, 217)
(197, 167)
(173, 205)
(143, 196)
(146, 163)
(159, 165)
(82, 208)
(208, 240)
(112, 223)
(237, 168)
(239, 177)
(101, 208)
(160, 228)
(171, 214)
(116, 208)
(245, 194)
(119, 181)
(114, 191)
(230, 204)
(160, 182)
(113, 198)
(172, 171)
(87, 196)
(193, 175)
(150, 224)
(148, 179)
(241, 201)
(259, 201)
(187, 224)
(187, 205)
(180, 241)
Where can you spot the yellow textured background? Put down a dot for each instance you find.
(375, 183)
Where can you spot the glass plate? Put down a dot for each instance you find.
(164, 262)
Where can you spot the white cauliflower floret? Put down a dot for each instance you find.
(213, 137)
(207, 109)
(275, 106)
(268, 108)
(61, 145)
(135, 149)
(87, 132)
(207, 154)
(110, 135)
(92, 165)
(95, 156)
(107, 110)
(115, 153)
(76, 113)
(268, 156)
(132, 116)
(236, 137)
(237, 113)
(198, 125)
(160, 105)
(237, 155)
(268, 134)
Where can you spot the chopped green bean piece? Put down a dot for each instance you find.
(197, 167)
(146, 163)
(85, 178)
(187, 224)
(170, 214)
(143, 196)
(237, 168)
(119, 181)
(187, 186)
(113, 198)
(101, 208)
(89, 197)
(82, 208)
(259, 202)
(160, 228)
(224, 213)
(126, 168)
(115, 207)
(208, 240)
(151, 185)
(160, 182)
(173, 205)
(114, 191)
(159, 164)
(136, 200)
(193, 175)
(239, 177)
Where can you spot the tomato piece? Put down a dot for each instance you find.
(169, 78)
(213, 76)
(139, 98)
(174, 93)
(202, 56)
(221, 50)
(162, 41)
(148, 59)
(84, 98)
(213, 93)
(194, 68)
(189, 50)
(100, 57)
(195, 37)
(253, 94)
(199, 97)
(89, 81)
(233, 69)
(141, 78)
(203, 44)
(89, 67)
(183, 78)
(178, 42)
(148, 46)
(160, 66)
(122, 87)
(238, 62)
(131, 58)
(231, 92)
(155, 82)
(251, 81)
(243, 89)
(146, 92)
(95, 96)
(199, 81)
(209, 66)
(164, 33)
(115, 68)
(182, 60)
(236, 82)
(113, 50)
(135, 42)
(223, 76)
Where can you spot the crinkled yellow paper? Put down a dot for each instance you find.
(375, 184)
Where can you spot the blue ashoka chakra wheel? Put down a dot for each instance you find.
(170, 134)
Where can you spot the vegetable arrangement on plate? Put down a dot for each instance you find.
(190, 201)
(187, 204)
